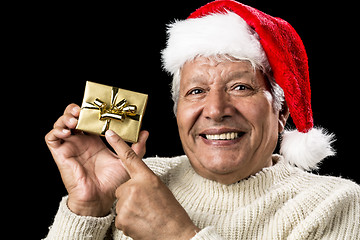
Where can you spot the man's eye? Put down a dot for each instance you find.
(195, 91)
(241, 87)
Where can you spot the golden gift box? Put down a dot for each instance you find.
(106, 107)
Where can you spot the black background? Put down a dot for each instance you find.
(52, 49)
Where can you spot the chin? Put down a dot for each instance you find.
(221, 163)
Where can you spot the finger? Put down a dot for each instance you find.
(66, 121)
(54, 138)
(131, 161)
(140, 147)
(72, 109)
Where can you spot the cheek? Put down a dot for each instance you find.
(266, 127)
(186, 116)
(261, 116)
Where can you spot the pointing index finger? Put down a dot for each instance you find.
(131, 161)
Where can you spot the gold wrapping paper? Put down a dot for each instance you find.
(106, 107)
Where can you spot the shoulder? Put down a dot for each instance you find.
(325, 197)
(319, 190)
(325, 205)
(310, 193)
(307, 183)
(332, 187)
(162, 165)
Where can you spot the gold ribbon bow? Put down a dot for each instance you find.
(118, 111)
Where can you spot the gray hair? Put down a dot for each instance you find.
(276, 91)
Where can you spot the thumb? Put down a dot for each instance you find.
(129, 158)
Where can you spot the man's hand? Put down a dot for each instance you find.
(90, 171)
(146, 208)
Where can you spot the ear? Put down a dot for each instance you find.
(283, 116)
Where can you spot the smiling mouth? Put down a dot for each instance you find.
(223, 136)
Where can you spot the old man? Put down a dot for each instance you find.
(238, 74)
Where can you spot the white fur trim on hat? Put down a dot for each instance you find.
(307, 150)
(209, 36)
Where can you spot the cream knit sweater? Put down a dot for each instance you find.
(280, 202)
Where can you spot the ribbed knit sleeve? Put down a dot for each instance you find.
(68, 225)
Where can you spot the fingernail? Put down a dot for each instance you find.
(73, 120)
(75, 110)
(65, 130)
(109, 133)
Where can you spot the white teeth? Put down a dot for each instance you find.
(223, 136)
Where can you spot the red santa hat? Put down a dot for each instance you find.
(227, 27)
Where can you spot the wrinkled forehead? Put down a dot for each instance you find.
(225, 68)
(220, 58)
(219, 62)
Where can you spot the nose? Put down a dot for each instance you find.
(217, 106)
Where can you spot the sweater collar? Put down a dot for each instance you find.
(234, 195)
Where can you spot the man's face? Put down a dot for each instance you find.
(226, 121)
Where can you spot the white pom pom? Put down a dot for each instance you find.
(307, 150)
